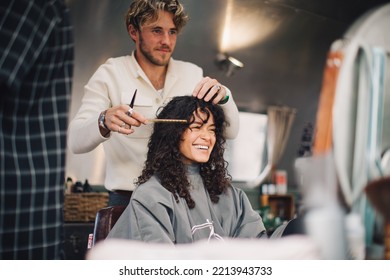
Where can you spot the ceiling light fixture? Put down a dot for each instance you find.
(228, 64)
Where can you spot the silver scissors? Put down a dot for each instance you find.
(130, 111)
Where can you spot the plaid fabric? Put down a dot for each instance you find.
(36, 68)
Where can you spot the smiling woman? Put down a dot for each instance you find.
(198, 139)
(184, 192)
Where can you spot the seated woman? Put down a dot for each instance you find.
(184, 193)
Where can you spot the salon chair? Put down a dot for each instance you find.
(104, 221)
(292, 227)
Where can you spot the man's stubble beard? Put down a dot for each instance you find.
(149, 56)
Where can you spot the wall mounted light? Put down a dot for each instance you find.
(228, 64)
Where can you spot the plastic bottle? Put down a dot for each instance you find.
(355, 237)
(326, 226)
(69, 185)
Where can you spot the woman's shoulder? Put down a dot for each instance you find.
(151, 190)
(233, 192)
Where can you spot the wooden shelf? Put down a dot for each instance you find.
(281, 205)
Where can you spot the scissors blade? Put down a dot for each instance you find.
(133, 99)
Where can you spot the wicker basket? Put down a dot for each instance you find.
(82, 207)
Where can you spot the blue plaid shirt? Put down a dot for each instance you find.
(36, 68)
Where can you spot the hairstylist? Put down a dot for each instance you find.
(105, 116)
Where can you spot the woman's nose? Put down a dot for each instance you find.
(205, 134)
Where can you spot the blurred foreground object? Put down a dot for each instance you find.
(288, 248)
(378, 192)
(351, 119)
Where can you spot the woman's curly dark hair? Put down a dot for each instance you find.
(165, 160)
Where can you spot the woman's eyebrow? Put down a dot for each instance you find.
(198, 122)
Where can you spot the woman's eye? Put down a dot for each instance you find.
(194, 127)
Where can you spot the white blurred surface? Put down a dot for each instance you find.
(245, 154)
(297, 247)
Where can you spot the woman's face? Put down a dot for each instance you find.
(198, 140)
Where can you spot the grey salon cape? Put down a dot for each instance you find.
(153, 215)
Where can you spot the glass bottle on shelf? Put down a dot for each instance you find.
(87, 187)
